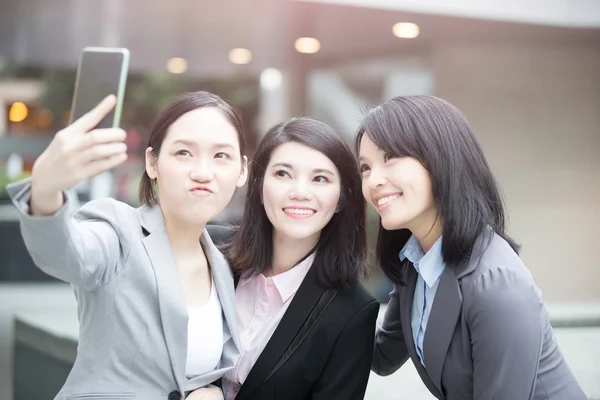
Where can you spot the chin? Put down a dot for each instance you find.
(391, 224)
(298, 234)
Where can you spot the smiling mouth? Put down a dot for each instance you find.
(299, 212)
(387, 199)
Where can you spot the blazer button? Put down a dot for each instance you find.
(174, 395)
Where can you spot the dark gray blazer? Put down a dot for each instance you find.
(488, 335)
(132, 312)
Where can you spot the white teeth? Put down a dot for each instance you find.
(387, 199)
(298, 211)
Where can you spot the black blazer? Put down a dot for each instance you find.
(322, 348)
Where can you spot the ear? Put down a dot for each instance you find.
(243, 173)
(150, 163)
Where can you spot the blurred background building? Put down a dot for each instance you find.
(525, 72)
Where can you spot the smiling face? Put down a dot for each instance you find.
(199, 166)
(301, 192)
(399, 188)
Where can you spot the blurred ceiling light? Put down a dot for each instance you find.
(406, 30)
(307, 45)
(240, 56)
(270, 79)
(177, 65)
(18, 112)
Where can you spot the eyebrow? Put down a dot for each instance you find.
(316, 170)
(190, 143)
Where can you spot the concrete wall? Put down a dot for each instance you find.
(536, 111)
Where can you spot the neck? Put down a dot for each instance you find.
(288, 251)
(428, 233)
(183, 237)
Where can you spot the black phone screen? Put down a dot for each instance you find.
(100, 74)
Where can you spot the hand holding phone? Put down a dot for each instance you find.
(76, 153)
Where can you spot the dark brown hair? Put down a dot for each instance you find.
(181, 105)
(341, 250)
(466, 195)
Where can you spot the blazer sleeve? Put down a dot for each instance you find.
(504, 314)
(346, 373)
(81, 248)
(390, 350)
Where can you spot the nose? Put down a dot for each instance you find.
(202, 170)
(300, 190)
(375, 179)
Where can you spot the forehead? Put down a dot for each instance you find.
(367, 147)
(204, 125)
(300, 156)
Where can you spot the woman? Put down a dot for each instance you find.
(464, 308)
(306, 323)
(156, 298)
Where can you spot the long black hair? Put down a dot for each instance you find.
(466, 194)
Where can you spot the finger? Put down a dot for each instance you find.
(94, 168)
(92, 118)
(101, 136)
(101, 151)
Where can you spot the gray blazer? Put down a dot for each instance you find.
(132, 312)
(488, 335)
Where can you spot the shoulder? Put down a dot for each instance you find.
(106, 208)
(355, 299)
(121, 216)
(500, 280)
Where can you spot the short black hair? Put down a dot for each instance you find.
(466, 194)
(342, 246)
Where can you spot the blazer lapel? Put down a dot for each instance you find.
(444, 315)
(407, 301)
(173, 309)
(223, 277)
(302, 304)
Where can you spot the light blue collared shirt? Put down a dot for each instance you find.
(430, 267)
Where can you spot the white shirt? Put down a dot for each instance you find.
(205, 336)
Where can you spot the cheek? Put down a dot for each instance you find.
(330, 200)
(366, 191)
(227, 176)
(421, 188)
(271, 193)
(169, 173)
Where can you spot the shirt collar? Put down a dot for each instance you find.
(430, 265)
(287, 283)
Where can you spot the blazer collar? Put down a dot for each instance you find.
(151, 218)
(406, 305)
(172, 305)
(445, 311)
(294, 318)
(171, 302)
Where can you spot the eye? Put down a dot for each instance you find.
(364, 168)
(183, 153)
(222, 155)
(321, 179)
(389, 156)
(282, 174)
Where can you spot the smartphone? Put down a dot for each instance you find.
(101, 72)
